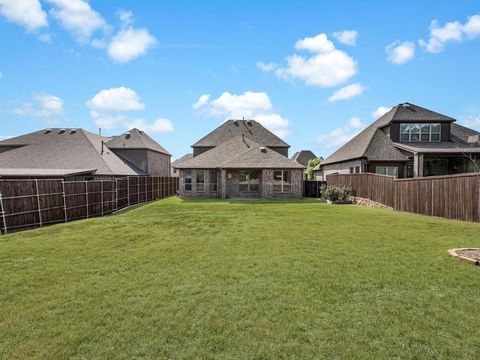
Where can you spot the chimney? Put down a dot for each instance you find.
(101, 152)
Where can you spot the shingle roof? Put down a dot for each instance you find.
(135, 139)
(63, 149)
(181, 160)
(303, 157)
(240, 152)
(251, 129)
(44, 172)
(358, 146)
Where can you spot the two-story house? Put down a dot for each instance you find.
(241, 159)
(408, 141)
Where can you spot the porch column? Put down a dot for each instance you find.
(418, 165)
(223, 183)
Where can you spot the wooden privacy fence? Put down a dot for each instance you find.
(26, 204)
(452, 197)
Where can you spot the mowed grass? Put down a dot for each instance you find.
(241, 280)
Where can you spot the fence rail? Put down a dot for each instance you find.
(30, 203)
(452, 197)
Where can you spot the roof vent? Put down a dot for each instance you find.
(406, 105)
(263, 149)
(235, 122)
(127, 135)
(73, 131)
(249, 122)
(61, 131)
(48, 131)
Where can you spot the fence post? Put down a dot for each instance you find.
(146, 189)
(38, 204)
(101, 192)
(128, 190)
(64, 201)
(116, 195)
(138, 190)
(2, 210)
(86, 196)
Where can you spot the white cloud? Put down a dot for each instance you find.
(107, 106)
(201, 102)
(327, 66)
(129, 44)
(256, 105)
(347, 92)
(346, 37)
(266, 67)
(125, 17)
(400, 52)
(115, 100)
(26, 13)
(315, 44)
(381, 110)
(472, 122)
(108, 110)
(5, 137)
(78, 17)
(340, 136)
(159, 126)
(453, 31)
(45, 106)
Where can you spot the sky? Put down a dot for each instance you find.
(314, 72)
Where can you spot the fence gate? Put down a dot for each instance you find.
(313, 188)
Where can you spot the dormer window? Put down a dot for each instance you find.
(423, 132)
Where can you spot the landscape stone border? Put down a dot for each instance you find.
(453, 252)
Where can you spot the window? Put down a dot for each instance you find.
(249, 181)
(200, 177)
(282, 181)
(419, 132)
(213, 181)
(352, 169)
(357, 169)
(387, 170)
(187, 180)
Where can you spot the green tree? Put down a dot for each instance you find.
(311, 164)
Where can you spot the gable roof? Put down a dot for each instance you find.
(135, 139)
(251, 129)
(240, 152)
(181, 160)
(303, 157)
(74, 149)
(358, 146)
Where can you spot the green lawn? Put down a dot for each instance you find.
(246, 280)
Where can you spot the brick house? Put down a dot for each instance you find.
(241, 159)
(80, 154)
(408, 141)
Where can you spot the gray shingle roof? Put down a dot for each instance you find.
(181, 160)
(358, 146)
(135, 139)
(44, 172)
(232, 128)
(240, 152)
(303, 157)
(57, 149)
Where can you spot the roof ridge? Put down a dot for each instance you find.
(242, 153)
(83, 131)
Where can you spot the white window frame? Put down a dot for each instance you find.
(418, 126)
(282, 185)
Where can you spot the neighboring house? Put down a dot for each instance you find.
(77, 153)
(241, 159)
(174, 170)
(303, 157)
(317, 172)
(408, 141)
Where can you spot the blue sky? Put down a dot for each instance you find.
(312, 71)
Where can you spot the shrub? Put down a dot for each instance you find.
(335, 194)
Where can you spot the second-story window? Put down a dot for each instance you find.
(420, 132)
